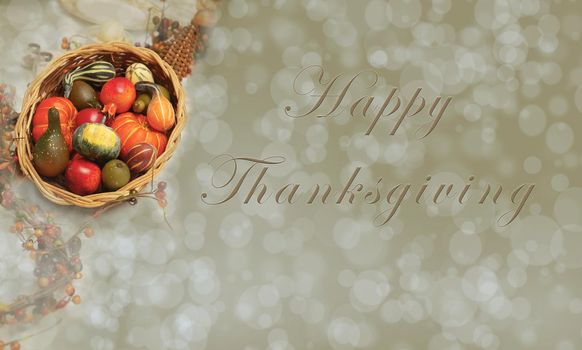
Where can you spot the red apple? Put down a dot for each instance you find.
(119, 91)
(83, 177)
(89, 115)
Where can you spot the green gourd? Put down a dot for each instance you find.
(141, 103)
(97, 142)
(51, 153)
(115, 175)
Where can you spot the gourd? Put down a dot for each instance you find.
(97, 73)
(133, 129)
(164, 91)
(160, 114)
(51, 153)
(143, 100)
(141, 157)
(97, 142)
(84, 96)
(141, 103)
(139, 72)
(115, 175)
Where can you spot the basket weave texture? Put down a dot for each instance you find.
(48, 84)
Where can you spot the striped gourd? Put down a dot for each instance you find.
(141, 157)
(139, 72)
(97, 73)
(160, 115)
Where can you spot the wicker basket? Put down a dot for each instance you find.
(49, 84)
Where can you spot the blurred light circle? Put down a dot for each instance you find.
(560, 182)
(404, 13)
(343, 331)
(532, 165)
(566, 247)
(532, 237)
(369, 290)
(480, 284)
(259, 307)
(568, 209)
(532, 120)
(465, 248)
(448, 305)
(559, 137)
(391, 311)
(236, 230)
(347, 233)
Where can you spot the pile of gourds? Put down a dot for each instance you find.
(104, 130)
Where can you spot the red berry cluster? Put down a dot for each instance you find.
(160, 194)
(57, 261)
(7, 120)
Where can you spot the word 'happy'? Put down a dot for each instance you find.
(328, 103)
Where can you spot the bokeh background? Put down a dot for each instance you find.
(239, 276)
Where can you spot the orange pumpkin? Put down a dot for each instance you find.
(133, 129)
(67, 114)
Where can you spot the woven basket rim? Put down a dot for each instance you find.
(34, 95)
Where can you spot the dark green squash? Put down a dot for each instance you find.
(96, 142)
(84, 96)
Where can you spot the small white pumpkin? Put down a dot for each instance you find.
(139, 72)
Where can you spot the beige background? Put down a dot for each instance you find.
(296, 277)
